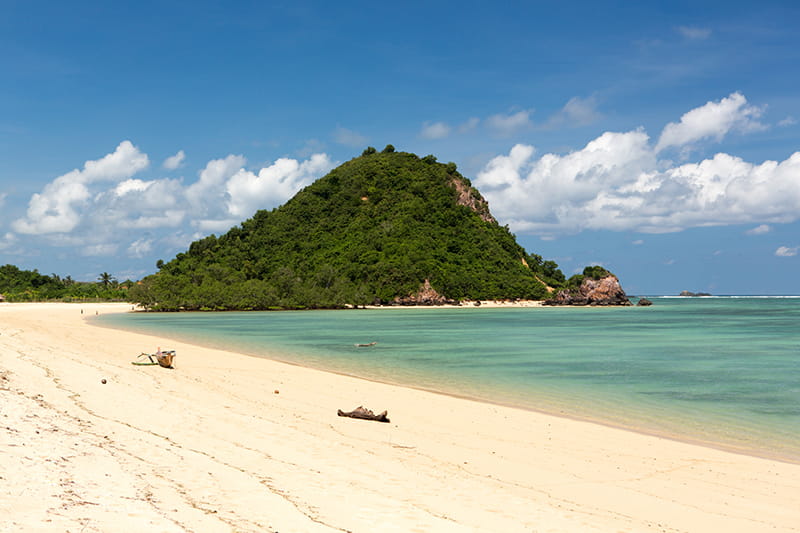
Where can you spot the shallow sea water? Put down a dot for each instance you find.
(722, 371)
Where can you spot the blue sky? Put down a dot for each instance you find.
(661, 140)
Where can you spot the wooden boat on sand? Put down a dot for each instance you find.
(161, 357)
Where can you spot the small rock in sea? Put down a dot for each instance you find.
(103, 381)
(644, 302)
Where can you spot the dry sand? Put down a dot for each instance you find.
(227, 442)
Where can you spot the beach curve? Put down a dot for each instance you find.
(227, 442)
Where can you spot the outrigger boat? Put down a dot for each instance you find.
(161, 357)
(366, 345)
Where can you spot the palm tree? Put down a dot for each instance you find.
(105, 278)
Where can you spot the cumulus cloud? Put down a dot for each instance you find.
(694, 33)
(349, 137)
(140, 247)
(759, 230)
(97, 209)
(507, 125)
(434, 130)
(617, 182)
(711, 121)
(204, 194)
(57, 209)
(175, 161)
(785, 251)
(273, 185)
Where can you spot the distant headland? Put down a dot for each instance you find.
(690, 293)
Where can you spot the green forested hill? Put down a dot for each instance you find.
(372, 230)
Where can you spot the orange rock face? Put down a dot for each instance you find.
(604, 291)
(426, 295)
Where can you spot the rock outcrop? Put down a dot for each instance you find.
(469, 197)
(426, 295)
(603, 291)
(644, 302)
(690, 293)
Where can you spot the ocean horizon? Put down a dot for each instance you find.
(719, 370)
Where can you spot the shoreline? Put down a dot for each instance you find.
(760, 452)
(766, 446)
(211, 446)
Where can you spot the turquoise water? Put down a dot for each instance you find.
(724, 371)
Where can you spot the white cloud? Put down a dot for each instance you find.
(140, 247)
(785, 251)
(638, 242)
(694, 33)
(441, 130)
(59, 207)
(711, 121)
(617, 182)
(506, 125)
(175, 161)
(434, 130)
(100, 249)
(248, 192)
(140, 204)
(349, 137)
(85, 212)
(8, 241)
(788, 121)
(131, 185)
(204, 194)
(576, 112)
(759, 230)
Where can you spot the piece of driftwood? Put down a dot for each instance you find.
(365, 414)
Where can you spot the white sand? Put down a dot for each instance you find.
(210, 446)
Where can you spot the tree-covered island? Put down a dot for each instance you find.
(384, 228)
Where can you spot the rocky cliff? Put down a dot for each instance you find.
(603, 291)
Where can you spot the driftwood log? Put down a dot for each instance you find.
(364, 414)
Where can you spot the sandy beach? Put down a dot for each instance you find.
(228, 442)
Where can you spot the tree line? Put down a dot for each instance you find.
(17, 285)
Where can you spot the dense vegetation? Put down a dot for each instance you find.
(30, 286)
(592, 272)
(372, 230)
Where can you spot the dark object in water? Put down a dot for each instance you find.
(364, 414)
(373, 343)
